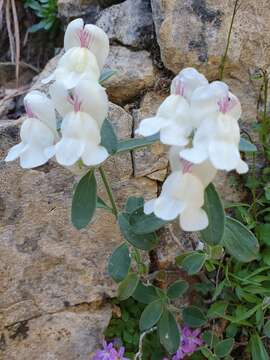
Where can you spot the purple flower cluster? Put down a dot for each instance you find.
(190, 341)
(110, 353)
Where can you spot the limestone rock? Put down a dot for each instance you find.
(135, 73)
(129, 23)
(148, 161)
(71, 334)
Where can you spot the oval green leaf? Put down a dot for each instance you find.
(145, 224)
(258, 350)
(133, 144)
(151, 314)
(247, 146)
(106, 74)
(108, 137)
(168, 331)
(193, 262)
(84, 201)
(119, 263)
(133, 203)
(224, 347)
(128, 286)
(239, 241)
(177, 289)
(143, 242)
(193, 317)
(145, 294)
(213, 206)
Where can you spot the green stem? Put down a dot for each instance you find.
(224, 57)
(109, 191)
(264, 120)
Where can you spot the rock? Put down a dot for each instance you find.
(71, 334)
(135, 73)
(148, 161)
(129, 23)
(89, 9)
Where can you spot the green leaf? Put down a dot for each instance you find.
(217, 309)
(224, 347)
(266, 329)
(145, 294)
(247, 146)
(145, 224)
(151, 314)
(193, 262)
(133, 144)
(128, 286)
(264, 233)
(231, 330)
(133, 203)
(258, 350)
(84, 201)
(193, 317)
(239, 241)
(177, 289)
(106, 74)
(108, 137)
(168, 331)
(210, 338)
(213, 206)
(119, 263)
(143, 242)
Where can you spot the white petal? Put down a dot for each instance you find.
(193, 220)
(173, 135)
(36, 133)
(192, 191)
(195, 155)
(50, 151)
(71, 38)
(149, 206)
(59, 95)
(167, 208)
(32, 157)
(99, 44)
(42, 108)
(242, 167)
(173, 106)
(224, 155)
(68, 151)
(205, 171)
(236, 110)
(15, 151)
(93, 98)
(94, 155)
(151, 126)
(49, 78)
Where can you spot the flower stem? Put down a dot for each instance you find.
(224, 57)
(109, 191)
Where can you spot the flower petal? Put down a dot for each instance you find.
(224, 155)
(193, 219)
(173, 135)
(149, 206)
(71, 38)
(68, 151)
(99, 44)
(32, 157)
(167, 208)
(195, 155)
(242, 167)
(16, 151)
(94, 155)
(151, 126)
(60, 95)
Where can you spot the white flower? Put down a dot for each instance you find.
(38, 132)
(218, 135)
(80, 139)
(89, 94)
(172, 121)
(87, 48)
(188, 80)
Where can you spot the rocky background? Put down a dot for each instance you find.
(54, 287)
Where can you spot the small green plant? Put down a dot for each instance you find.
(46, 10)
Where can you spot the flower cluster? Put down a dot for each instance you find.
(190, 342)
(109, 352)
(199, 120)
(78, 98)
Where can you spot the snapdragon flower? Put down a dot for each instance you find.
(80, 138)
(89, 94)
(218, 135)
(38, 132)
(182, 195)
(173, 119)
(86, 50)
